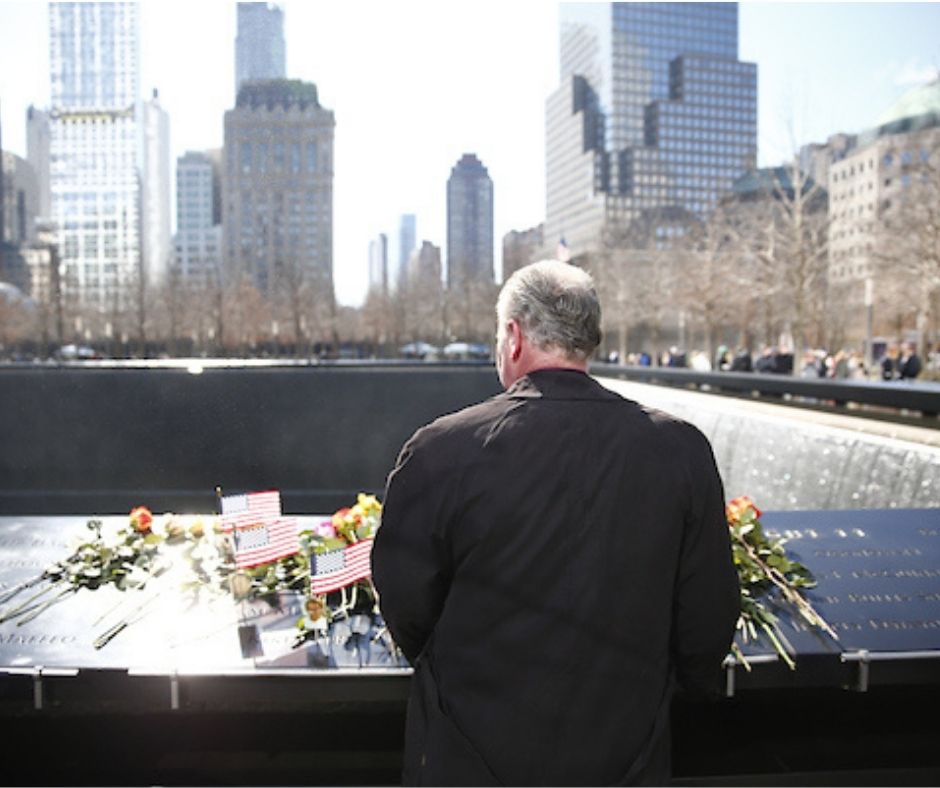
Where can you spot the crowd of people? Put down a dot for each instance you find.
(897, 361)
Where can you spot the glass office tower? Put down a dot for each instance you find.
(654, 111)
(93, 147)
(260, 51)
(469, 223)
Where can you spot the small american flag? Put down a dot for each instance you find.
(337, 568)
(259, 533)
(250, 509)
(563, 253)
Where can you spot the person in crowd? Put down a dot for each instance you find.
(858, 368)
(722, 359)
(553, 561)
(909, 364)
(742, 361)
(675, 358)
(699, 361)
(889, 363)
(767, 361)
(933, 358)
(810, 368)
(783, 361)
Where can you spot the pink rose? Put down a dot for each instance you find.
(325, 530)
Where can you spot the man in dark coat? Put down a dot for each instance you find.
(553, 562)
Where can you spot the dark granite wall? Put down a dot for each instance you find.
(102, 440)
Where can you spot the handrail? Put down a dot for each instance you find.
(922, 396)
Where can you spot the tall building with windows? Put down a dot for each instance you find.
(156, 241)
(521, 247)
(260, 52)
(277, 187)
(94, 138)
(407, 243)
(378, 264)
(869, 178)
(37, 154)
(469, 223)
(199, 217)
(654, 111)
(20, 199)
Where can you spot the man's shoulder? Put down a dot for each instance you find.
(464, 421)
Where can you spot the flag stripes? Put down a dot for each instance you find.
(337, 568)
(258, 532)
(250, 509)
(266, 542)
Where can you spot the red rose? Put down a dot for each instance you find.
(141, 519)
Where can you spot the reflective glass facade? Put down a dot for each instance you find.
(94, 135)
(469, 223)
(661, 107)
(260, 52)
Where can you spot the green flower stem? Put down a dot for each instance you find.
(45, 606)
(7, 595)
(779, 646)
(804, 607)
(739, 656)
(28, 603)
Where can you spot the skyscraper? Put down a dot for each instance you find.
(654, 112)
(407, 242)
(260, 52)
(155, 190)
(277, 220)
(469, 223)
(37, 154)
(378, 265)
(199, 216)
(93, 142)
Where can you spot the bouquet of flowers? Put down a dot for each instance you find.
(126, 560)
(339, 552)
(764, 567)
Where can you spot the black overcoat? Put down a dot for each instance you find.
(552, 561)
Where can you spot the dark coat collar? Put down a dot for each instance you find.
(552, 383)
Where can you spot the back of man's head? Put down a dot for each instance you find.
(556, 305)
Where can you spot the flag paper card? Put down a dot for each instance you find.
(337, 568)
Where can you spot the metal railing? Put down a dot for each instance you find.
(914, 397)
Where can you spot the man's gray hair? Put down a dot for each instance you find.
(556, 305)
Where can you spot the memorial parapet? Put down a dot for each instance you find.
(878, 587)
(176, 630)
(105, 439)
(204, 689)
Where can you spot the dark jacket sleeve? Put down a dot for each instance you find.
(707, 594)
(409, 565)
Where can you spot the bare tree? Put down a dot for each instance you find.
(785, 233)
(712, 274)
(635, 272)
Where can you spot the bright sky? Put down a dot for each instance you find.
(414, 85)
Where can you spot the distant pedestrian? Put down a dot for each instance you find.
(909, 365)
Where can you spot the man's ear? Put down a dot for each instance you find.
(515, 338)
